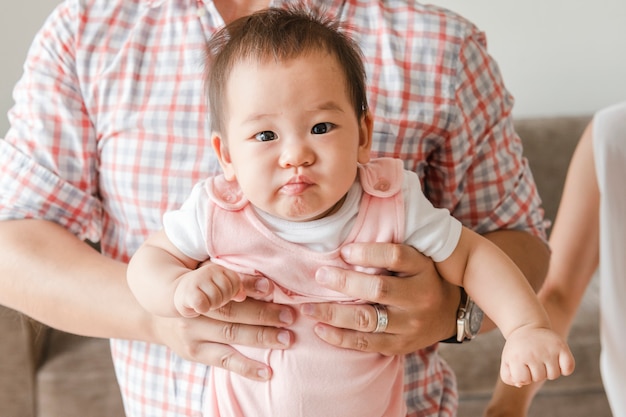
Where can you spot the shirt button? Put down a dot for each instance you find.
(201, 12)
(382, 185)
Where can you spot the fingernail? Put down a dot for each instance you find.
(262, 285)
(285, 316)
(322, 276)
(263, 373)
(307, 309)
(320, 331)
(284, 338)
(345, 252)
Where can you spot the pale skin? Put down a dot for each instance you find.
(49, 274)
(574, 260)
(286, 170)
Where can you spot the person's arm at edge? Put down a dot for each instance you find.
(76, 299)
(574, 261)
(92, 298)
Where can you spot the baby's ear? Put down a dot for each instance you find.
(365, 137)
(223, 156)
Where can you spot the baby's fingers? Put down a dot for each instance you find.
(516, 375)
(567, 362)
(562, 365)
(225, 286)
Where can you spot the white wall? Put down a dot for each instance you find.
(558, 57)
(19, 21)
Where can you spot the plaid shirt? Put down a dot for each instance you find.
(110, 130)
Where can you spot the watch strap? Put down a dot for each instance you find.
(459, 337)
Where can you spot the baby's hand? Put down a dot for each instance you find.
(534, 355)
(207, 288)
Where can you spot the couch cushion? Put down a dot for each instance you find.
(549, 144)
(17, 365)
(77, 379)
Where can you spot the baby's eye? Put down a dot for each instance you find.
(265, 136)
(321, 128)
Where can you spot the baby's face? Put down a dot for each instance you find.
(293, 139)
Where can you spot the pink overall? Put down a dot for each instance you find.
(311, 378)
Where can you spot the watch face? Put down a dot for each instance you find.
(475, 319)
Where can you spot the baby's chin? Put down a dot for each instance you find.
(298, 214)
(300, 211)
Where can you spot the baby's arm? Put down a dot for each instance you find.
(533, 351)
(168, 283)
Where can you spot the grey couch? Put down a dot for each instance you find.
(48, 373)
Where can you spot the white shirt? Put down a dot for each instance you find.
(610, 159)
(432, 231)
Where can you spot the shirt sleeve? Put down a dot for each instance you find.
(186, 227)
(480, 172)
(48, 156)
(430, 230)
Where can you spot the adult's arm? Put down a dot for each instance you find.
(49, 274)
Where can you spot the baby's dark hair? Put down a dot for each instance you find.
(280, 34)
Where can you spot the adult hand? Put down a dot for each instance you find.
(421, 306)
(207, 339)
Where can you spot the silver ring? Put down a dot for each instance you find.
(382, 319)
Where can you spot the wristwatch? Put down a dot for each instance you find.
(469, 318)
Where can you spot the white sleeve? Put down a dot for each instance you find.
(186, 227)
(432, 231)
